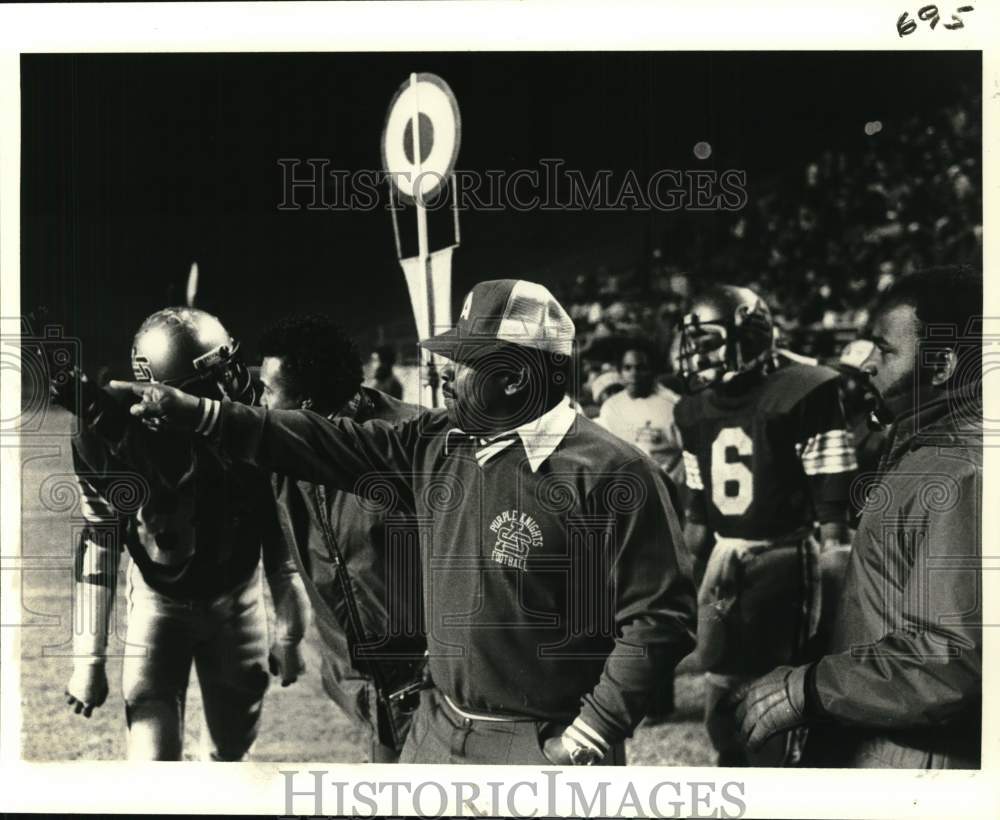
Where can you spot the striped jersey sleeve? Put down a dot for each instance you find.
(692, 472)
(828, 452)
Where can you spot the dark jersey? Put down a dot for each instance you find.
(193, 522)
(767, 456)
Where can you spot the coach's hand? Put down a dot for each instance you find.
(162, 405)
(556, 752)
(563, 751)
(771, 704)
(285, 660)
(87, 688)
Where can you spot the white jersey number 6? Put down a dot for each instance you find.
(727, 474)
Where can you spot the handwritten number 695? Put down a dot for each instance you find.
(907, 25)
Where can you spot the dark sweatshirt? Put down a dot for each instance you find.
(555, 583)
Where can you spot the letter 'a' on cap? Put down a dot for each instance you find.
(854, 354)
(505, 312)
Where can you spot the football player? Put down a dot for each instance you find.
(767, 458)
(194, 525)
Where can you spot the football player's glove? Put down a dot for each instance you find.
(728, 331)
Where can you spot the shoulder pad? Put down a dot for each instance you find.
(788, 385)
(688, 410)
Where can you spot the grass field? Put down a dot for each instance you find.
(299, 723)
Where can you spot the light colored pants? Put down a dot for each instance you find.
(758, 606)
(225, 637)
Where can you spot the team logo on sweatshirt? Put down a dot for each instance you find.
(517, 534)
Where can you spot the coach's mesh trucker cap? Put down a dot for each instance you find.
(505, 312)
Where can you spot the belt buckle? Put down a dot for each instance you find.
(408, 698)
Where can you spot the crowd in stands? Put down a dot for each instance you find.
(817, 242)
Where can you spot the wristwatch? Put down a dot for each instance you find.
(580, 755)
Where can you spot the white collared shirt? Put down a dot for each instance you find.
(540, 436)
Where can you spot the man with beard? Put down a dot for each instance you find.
(556, 589)
(901, 684)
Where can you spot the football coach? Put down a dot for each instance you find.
(557, 593)
(901, 686)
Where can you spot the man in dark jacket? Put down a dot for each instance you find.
(556, 588)
(901, 685)
(356, 559)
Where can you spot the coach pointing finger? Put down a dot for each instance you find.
(557, 597)
(160, 402)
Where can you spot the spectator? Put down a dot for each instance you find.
(643, 414)
(383, 360)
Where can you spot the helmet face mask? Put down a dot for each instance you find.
(703, 352)
(727, 333)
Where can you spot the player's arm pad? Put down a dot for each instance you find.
(94, 594)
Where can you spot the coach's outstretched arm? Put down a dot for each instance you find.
(298, 443)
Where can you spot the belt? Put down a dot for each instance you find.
(480, 716)
(752, 544)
